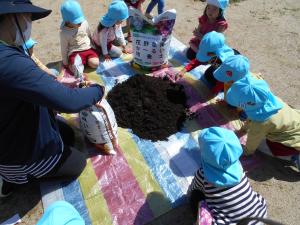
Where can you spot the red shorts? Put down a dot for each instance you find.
(84, 55)
(279, 149)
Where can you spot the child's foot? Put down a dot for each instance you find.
(5, 188)
(296, 161)
(149, 16)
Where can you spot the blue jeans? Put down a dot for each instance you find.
(153, 3)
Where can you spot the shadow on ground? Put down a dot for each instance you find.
(274, 168)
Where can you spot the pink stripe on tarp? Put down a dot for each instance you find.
(125, 200)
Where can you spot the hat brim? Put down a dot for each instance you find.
(223, 178)
(37, 12)
(203, 57)
(220, 75)
(263, 113)
(224, 52)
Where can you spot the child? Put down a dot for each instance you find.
(211, 20)
(109, 29)
(160, 7)
(212, 49)
(268, 117)
(28, 49)
(234, 68)
(222, 181)
(75, 37)
(137, 4)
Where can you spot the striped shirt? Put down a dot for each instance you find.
(228, 205)
(20, 174)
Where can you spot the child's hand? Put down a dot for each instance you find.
(126, 50)
(197, 33)
(179, 75)
(107, 58)
(221, 102)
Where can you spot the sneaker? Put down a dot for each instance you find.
(5, 188)
(149, 16)
(296, 161)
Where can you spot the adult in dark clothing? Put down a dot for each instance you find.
(31, 145)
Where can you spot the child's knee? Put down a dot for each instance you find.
(115, 52)
(93, 62)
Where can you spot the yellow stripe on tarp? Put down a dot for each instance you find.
(92, 75)
(148, 184)
(93, 197)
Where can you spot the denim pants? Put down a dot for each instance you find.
(153, 3)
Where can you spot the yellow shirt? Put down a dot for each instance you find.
(283, 127)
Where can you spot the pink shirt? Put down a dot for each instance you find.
(208, 27)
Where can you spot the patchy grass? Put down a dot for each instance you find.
(293, 9)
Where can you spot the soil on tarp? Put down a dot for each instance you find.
(153, 108)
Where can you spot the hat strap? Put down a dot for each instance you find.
(3, 42)
(19, 29)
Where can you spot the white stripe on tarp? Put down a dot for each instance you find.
(169, 151)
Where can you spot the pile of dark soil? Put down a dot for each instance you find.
(153, 108)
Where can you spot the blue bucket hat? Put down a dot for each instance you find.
(23, 6)
(222, 4)
(61, 213)
(29, 44)
(254, 97)
(220, 153)
(71, 12)
(117, 10)
(213, 44)
(233, 68)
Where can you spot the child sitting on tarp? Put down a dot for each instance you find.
(109, 29)
(75, 37)
(269, 118)
(233, 68)
(211, 20)
(28, 49)
(221, 180)
(212, 49)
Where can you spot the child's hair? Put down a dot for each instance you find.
(101, 27)
(220, 16)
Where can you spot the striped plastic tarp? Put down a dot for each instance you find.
(145, 179)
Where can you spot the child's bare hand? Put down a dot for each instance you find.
(221, 102)
(179, 76)
(197, 33)
(107, 58)
(126, 50)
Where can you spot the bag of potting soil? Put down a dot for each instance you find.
(151, 38)
(99, 126)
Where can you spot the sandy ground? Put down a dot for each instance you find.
(266, 31)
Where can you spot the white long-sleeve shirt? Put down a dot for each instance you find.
(107, 35)
(74, 40)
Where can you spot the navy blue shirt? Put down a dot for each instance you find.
(28, 130)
